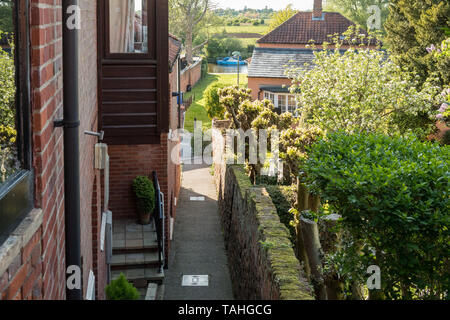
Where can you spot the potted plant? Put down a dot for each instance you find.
(145, 194)
(121, 289)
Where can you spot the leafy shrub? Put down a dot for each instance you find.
(446, 138)
(393, 195)
(121, 289)
(145, 194)
(8, 133)
(213, 106)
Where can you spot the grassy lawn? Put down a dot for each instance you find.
(197, 109)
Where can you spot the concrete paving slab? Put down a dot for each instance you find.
(198, 247)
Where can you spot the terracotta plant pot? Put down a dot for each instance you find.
(144, 218)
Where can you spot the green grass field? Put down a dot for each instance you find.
(197, 109)
(261, 29)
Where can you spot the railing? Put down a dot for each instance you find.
(159, 219)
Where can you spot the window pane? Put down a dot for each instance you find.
(128, 26)
(9, 163)
(292, 105)
(282, 102)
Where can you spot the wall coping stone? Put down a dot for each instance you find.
(274, 238)
(19, 238)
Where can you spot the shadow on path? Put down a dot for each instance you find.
(198, 247)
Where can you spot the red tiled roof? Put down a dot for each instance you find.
(301, 28)
(174, 49)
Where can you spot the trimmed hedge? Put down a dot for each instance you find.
(393, 195)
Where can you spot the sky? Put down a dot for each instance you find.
(260, 4)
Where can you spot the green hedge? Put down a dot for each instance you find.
(393, 195)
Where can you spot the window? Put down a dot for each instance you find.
(292, 104)
(128, 26)
(269, 96)
(282, 103)
(15, 155)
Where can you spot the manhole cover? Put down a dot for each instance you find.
(195, 281)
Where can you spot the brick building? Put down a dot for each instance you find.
(287, 45)
(125, 82)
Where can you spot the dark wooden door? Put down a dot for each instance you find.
(133, 70)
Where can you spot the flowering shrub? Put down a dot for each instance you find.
(361, 89)
(393, 196)
(7, 115)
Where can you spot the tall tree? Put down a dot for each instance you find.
(412, 27)
(6, 22)
(186, 16)
(361, 12)
(278, 18)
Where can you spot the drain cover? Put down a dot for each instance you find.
(197, 198)
(195, 281)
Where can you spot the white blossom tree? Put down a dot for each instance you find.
(361, 89)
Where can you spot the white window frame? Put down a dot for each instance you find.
(274, 97)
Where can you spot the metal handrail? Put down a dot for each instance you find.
(159, 219)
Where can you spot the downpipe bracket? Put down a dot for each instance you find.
(66, 124)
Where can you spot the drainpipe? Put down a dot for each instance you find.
(179, 92)
(71, 125)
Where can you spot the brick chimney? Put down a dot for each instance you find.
(317, 11)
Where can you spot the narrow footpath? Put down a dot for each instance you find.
(198, 247)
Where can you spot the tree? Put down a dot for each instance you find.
(8, 132)
(412, 27)
(281, 16)
(360, 11)
(6, 22)
(186, 16)
(362, 90)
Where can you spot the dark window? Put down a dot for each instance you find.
(129, 29)
(15, 155)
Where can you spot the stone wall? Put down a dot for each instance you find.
(261, 259)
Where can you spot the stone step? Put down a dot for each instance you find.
(152, 291)
(133, 246)
(128, 260)
(139, 275)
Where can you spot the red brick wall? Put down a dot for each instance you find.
(129, 161)
(23, 278)
(191, 76)
(39, 271)
(46, 93)
(255, 83)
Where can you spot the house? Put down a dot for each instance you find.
(96, 80)
(287, 45)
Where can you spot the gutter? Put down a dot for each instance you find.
(71, 124)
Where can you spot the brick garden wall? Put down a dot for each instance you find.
(261, 259)
(191, 75)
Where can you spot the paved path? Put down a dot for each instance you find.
(198, 247)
